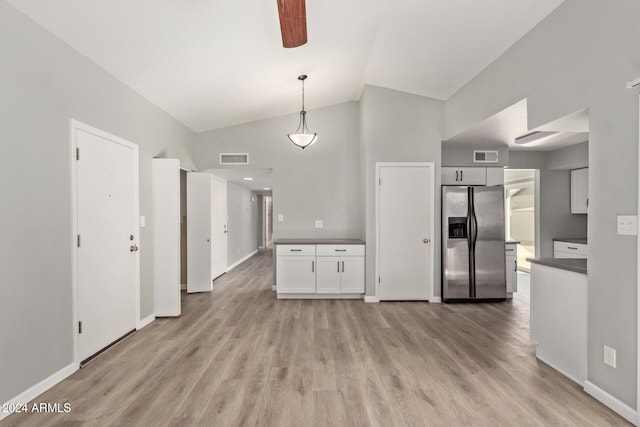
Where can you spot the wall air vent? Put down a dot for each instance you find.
(485, 156)
(234, 158)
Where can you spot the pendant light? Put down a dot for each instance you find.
(302, 137)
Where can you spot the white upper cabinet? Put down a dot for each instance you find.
(495, 176)
(579, 191)
(464, 176)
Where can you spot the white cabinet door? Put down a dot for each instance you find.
(296, 274)
(165, 177)
(579, 191)
(352, 275)
(463, 176)
(511, 259)
(199, 203)
(495, 176)
(328, 275)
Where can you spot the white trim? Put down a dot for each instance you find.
(35, 391)
(435, 243)
(617, 406)
(75, 125)
(240, 261)
(145, 322)
(638, 295)
(435, 300)
(556, 368)
(371, 299)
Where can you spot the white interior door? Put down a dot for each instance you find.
(107, 225)
(405, 231)
(165, 182)
(199, 214)
(219, 227)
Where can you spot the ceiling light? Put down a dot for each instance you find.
(247, 178)
(302, 136)
(533, 136)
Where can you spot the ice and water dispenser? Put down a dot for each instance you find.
(458, 227)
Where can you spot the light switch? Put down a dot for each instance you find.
(627, 225)
(280, 217)
(319, 223)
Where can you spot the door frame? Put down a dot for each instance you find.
(434, 242)
(75, 125)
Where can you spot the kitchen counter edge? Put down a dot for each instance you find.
(318, 242)
(578, 265)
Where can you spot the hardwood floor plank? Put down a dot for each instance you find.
(237, 356)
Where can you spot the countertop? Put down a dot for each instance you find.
(579, 265)
(318, 242)
(580, 240)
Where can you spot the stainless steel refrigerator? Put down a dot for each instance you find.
(473, 257)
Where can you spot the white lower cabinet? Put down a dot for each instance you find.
(511, 258)
(332, 271)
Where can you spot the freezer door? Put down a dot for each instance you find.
(455, 251)
(490, 274)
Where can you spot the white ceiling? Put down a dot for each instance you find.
(215, 63)
(503, 128)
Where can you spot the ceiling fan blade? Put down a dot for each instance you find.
(293, 22)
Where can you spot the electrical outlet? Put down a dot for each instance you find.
(280, 217)
(610, 356)
(319, 223)
(627, 225)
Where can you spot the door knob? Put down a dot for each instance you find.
(426, 240)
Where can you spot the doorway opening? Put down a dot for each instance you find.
(520, 215)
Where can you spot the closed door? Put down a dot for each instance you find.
(218, 227)
(404, 233)
(107, 247)
(199, 212)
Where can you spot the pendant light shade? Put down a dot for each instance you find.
(302, 137)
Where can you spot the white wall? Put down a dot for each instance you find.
(44, 83)
(242, 210)
(580, 57)
(319, 182)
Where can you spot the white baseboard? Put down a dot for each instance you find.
(371, 299)
(621, 408)
(240, 261)
(319, 296)
(44, 385)
(144, 322)
(183, 286)
(436, 300)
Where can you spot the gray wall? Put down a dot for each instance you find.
(398, 127)
(44, 83)
(242, 223)
(572, 157)
(320, 182)
(455, 155)
(579, 57)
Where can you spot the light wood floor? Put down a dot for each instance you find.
(238, 356)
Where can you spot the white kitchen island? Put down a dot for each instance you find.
(559, 307)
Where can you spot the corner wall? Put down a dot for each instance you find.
(580, 57)
(44, 84)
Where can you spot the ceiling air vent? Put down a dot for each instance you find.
(485, 156)
(234, 158)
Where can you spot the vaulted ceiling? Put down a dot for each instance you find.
(215, 63)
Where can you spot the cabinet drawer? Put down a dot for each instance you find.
(340, 250)
(570, 248)
(511, 249)
(296, 250)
